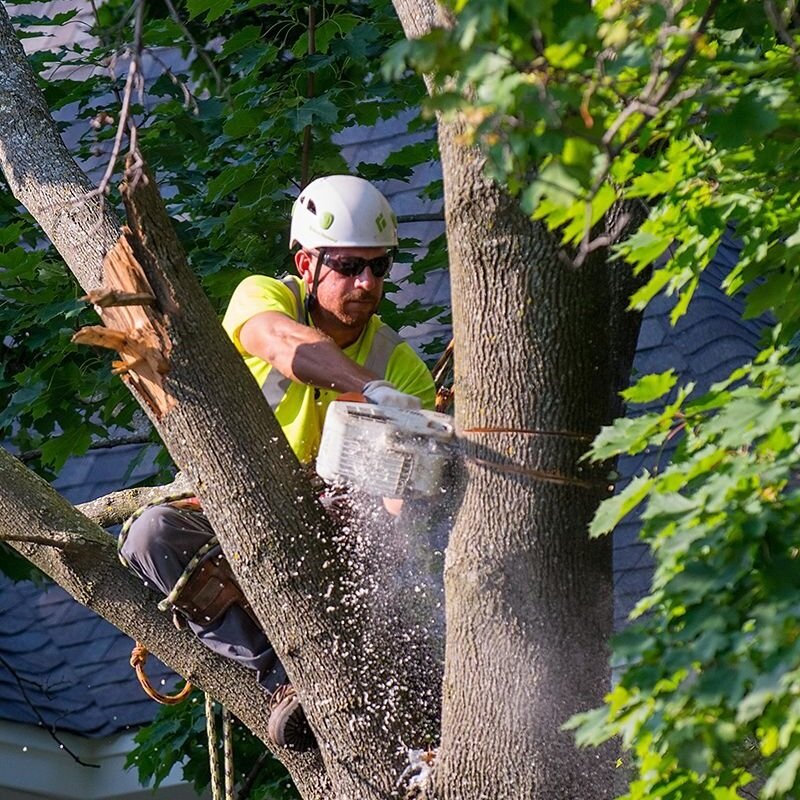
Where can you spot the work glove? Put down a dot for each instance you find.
(382, 393)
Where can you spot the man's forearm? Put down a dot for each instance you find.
(323, 364)
(301, 353)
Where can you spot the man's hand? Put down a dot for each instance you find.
(382, 393)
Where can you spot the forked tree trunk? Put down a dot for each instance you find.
(368, 699)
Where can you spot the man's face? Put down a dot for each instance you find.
(352, 300)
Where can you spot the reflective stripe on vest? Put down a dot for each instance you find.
(383, 344)
(277, 384)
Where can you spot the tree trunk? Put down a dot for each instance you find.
(541, 349)
(312, 588)
(528, 594)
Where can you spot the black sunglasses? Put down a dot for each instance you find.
(350, 266)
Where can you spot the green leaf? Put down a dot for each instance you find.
(213, 9)
(57, 449)
(615, 508)
(229, 180)
(242, 122)
(316, 111)
(784, 778)
(244, 37)
(650, 387)
(641, 250)
(627, 436)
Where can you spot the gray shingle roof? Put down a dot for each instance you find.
(704, 346)
(60, 661)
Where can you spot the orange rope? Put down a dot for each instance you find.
(541, 475)
(536, 474)
(585, 437)
(138, 659)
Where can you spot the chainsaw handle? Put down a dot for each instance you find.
(351, 397)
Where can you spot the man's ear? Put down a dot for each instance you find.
(303, 262)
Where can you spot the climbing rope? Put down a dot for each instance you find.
(213, 757)
(187, 573)
(139, 654)
(138, 660)
(227, 744)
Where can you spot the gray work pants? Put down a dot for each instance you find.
(159, 545)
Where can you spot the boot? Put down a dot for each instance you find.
(287, 725)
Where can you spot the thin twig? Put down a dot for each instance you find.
(135, 80)
(136, 438)
(103, 187)
(604, 240)
(118, 506)
(648, 104)
(189, 100)
(305, 168)
(195, 46)
(651, 98)
(780, 28)
(249, 781)
(49, 728)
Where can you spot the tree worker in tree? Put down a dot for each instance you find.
(306, 339)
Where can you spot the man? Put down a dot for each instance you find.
(306, 340)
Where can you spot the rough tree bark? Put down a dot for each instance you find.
(82, 558)
(540, 350)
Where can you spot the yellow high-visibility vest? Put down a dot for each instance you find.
(299, 408)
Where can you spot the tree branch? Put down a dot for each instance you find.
(96, 579)
(116, 507)
(114, 441)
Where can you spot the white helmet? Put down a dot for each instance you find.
(342, 211)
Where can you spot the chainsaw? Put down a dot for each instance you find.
(385, 451)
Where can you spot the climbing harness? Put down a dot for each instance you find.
(139, 653)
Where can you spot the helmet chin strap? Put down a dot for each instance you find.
(311, 295)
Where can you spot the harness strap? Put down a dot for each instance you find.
(383, 345)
